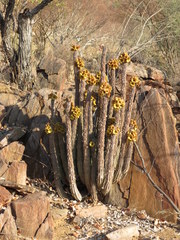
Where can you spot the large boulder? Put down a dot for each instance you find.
(8, 230)
(159, 147)
(33, 217)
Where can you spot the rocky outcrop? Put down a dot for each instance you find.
(157, 141)
(8, 228)
(159, 147)
(52, 73)
(27, 217)
(32, 215)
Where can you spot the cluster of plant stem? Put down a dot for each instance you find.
(97, 147)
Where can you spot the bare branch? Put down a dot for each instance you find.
(1, 21)
(147, 20)
(8, 14)
(130, 18)
(39, 7)
(153, 183)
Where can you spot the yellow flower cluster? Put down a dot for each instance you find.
(83, 74)
(75, 112)
(52, 96)
(118, 103)
(48, 128)
(111, 121)
(91, 144)
(112, 130)
(98, 77)
(134, 82)
(133, 124)
(75, 48)
(58, 127)
(113, 64)
(105, 89)
(132, 135)
(79, 62)
(124, 58)
(91, 80)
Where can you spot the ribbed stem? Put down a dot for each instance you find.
(79, 133)
(54, 159)
(93, 157)
(127, 159)
(102, 116)
(109, 171)
(86, 152)
(118, 172)
(62, 149)
(123, 92)
(56, 167)
(71, 170)
(101, 141)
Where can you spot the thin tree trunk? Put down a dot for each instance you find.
(25, 39)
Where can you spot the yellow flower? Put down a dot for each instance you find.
(93, 101)
(124, 58)
(75, 112)
(105, 90)
(113, 64)
(48, 128)
(98, 77)
(83, 74)
(132, 135)
(52, 96)
(85, 94)
(133, 124)
(91, 80)
(134, 82)
(75, 48)
(118, 103)
(58, 127)
(91, 144)
(79, 63)
(112, 130)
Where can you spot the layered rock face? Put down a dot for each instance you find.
(158, 143)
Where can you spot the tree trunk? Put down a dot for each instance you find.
(24, 55)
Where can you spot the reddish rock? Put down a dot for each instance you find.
(46, 229)
(9, 96)
(2, 112)
(16, 173)
(145, 72)
(8, 230)
(99, 211)
(56, 71)
(159, 147)
(126, 233)
(12, 152)
(5, 196)
(31, 212)
(3, 167)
